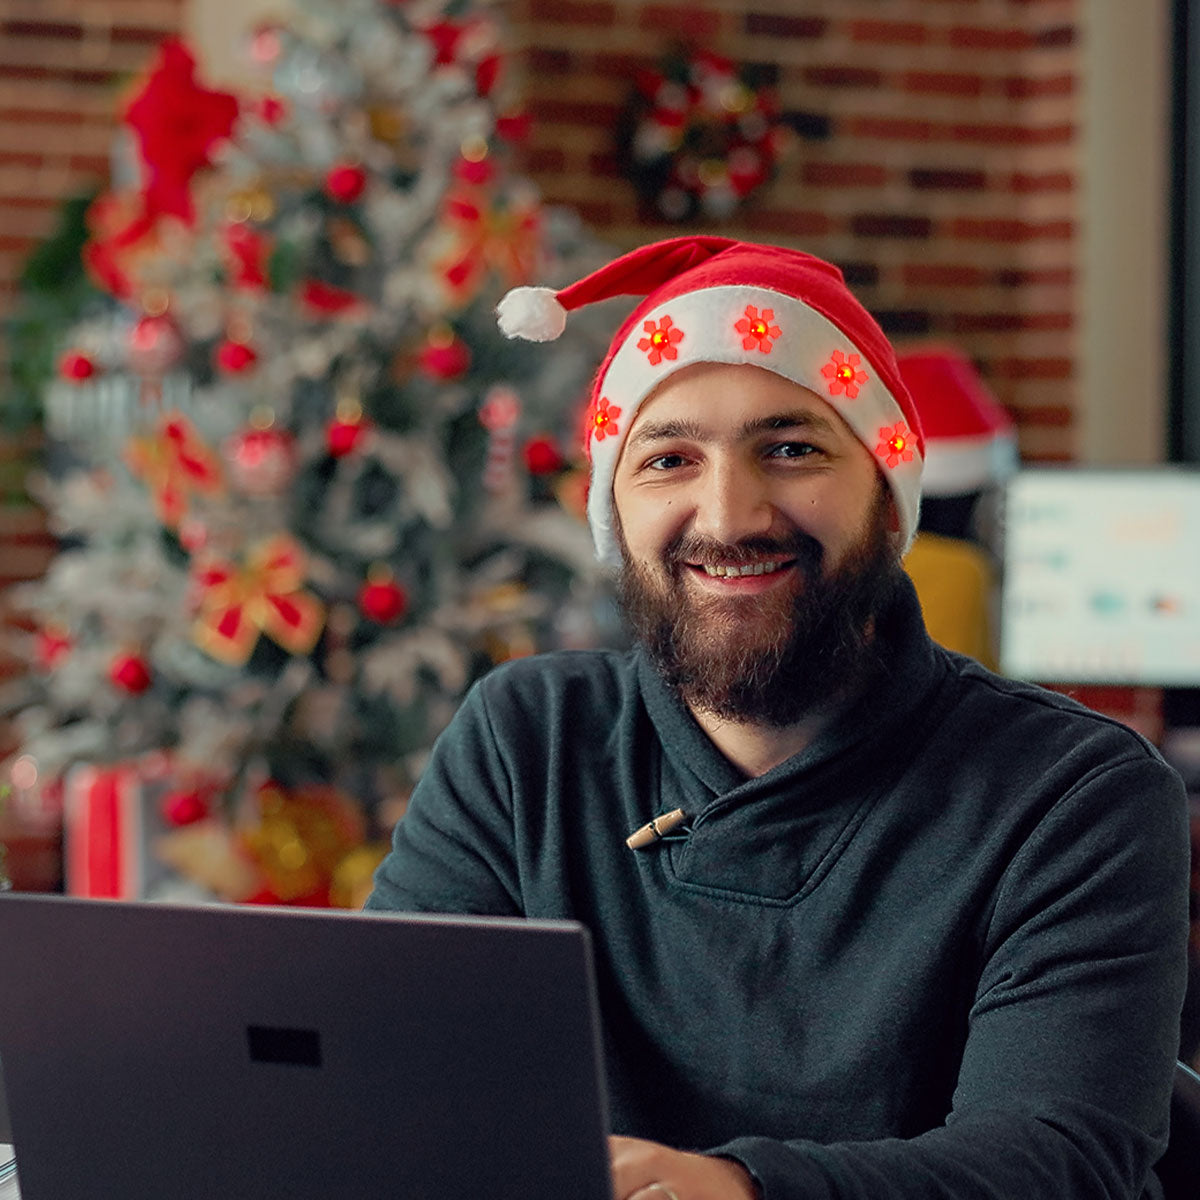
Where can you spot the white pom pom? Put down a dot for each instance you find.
(532, 313)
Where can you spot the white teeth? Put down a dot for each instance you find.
(762, 568)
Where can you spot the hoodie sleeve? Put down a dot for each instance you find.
(1064, 1087)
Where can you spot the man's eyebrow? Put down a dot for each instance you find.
(655, 431)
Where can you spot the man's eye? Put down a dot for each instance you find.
(666, 462)
(793, 450)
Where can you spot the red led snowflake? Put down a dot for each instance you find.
(661, 343)
(844, 375)
(600, 421)
(895, 444)
(757, 329)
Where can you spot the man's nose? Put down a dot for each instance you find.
(733, 503)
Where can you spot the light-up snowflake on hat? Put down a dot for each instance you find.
(895, 444)
(757, 329)
(844, 375)
(662, 340)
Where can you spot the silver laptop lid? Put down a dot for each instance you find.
(154, 1050)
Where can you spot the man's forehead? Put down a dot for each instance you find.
(709, 400)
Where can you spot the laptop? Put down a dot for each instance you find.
(157, 1050)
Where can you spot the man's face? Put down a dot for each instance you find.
(754, 530)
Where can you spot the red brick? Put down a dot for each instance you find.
(16, 244)
(788, 222)
(1002, 229)
(23, 201)
(843, 77)
(942, 275)
(70, 32)
(928, 179)
(1049, 181)
(63, 74)
(777, 26)
(837, 174)
(606, 165)
(41, 116)
(942, 83)
(1060, 35)
(680, 20)
(573, 12)
(1003, 322)
(993, 133)
(1035, 277)
(890, 225)
(42, 29)
(542, 61)
(545, 159)
(612, 63)
(969, 37)
(1045, 416)
(1032, 368)
(890, 33)
(20, 158)
(1020, 87)
(892, 129)
(93, 164)
(1054, 135)
(575, 112)
(595, 212)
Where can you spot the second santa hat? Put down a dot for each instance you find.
(710, 299)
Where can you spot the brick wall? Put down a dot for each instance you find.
(937, 161)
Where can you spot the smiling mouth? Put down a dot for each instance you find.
(734, 571)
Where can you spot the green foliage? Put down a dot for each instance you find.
(54, 292)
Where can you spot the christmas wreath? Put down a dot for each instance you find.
(700, 135)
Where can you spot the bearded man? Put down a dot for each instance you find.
(868, 920)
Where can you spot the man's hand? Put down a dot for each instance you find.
(638, 1165)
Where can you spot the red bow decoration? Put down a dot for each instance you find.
(489, 234)
(174, 462)
(262, 595)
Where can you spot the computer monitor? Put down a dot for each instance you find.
(1101, 576)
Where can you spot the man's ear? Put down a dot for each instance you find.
(893, 514)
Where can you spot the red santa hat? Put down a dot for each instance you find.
(970, 441)
(710, 299)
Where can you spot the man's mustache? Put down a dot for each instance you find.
(706, 552)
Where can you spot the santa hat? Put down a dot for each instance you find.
(710, 299)
(970, 441)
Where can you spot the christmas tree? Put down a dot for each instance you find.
(307, 492)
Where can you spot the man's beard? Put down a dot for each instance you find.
(775, 657)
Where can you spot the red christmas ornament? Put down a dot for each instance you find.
(130, 673)
(478, 171)
(155, 345)
(271, 110)
(381, 598)
(327, 300)
(542, 456)
(344, 434)
(345, 183)
(185, 807)
(445, 356)
(236, 358)
(52, 646)
(514, 128)
(261, 460)
(76, 366)
(487, 74)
